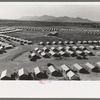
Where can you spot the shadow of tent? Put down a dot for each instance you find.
(75, 78)
(30, 76)
(6, 78)
(46, 56)
(84, 71)
(73, 55)
(14, 75)
(42, 75)
(57, 74)
(91, 54)
(23, 77)
(96, 69)
(66, 55)
(49, 64)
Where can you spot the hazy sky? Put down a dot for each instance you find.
(17, 10)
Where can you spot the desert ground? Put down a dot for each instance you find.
(18, 56)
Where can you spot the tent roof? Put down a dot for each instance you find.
(43, 53)
(51, 68)
(77, 66)
(78, 51)
(98, 63)
(22, 71)
(37, 70)
(62, 52)
(64, 67)
(5, 73)
(51, 52)
(70, 74)
(33, 54)
(90, 65)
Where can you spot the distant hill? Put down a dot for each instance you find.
(54, 19)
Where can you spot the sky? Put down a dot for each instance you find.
(17, 10)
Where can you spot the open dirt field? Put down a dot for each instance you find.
(18, 57)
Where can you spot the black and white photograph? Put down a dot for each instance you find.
(49, 42)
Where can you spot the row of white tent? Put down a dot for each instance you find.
(60, 49)
(69, 42)
(89, 42)
(9, 30)
(15, 39)
(58, 53)
(52, 29)
(87, 32)
(64, 48)
(39, 73)
(56, 43)
(6, 45)
(47, 29)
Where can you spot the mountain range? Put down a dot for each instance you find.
(54, 19)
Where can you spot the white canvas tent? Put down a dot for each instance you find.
(67, 47)
(60, 42)
(23, 74)
(6, 75)
(65, 42)
(72, 76)
(74, 47)
(43, 54)
(79, 68)
(36, 48)
(52, 53)
(90, 67)
(45, 49)
(98, 63)
(53, 71)
(39, 73)
(61, 48)
(54, 42)
(79, 52)
(85, 42)
(41, 43)
(79, 42)
(81, 47)
(90, 42)
(48, 43)
(64, 68)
